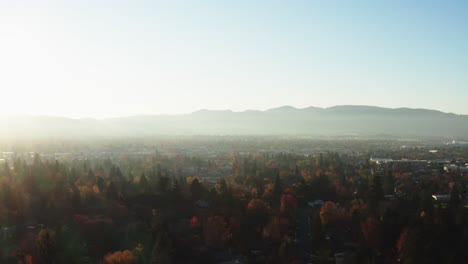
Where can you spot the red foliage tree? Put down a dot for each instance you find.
(194, 223)
(28, 259)
(288, 203)
(370, 229)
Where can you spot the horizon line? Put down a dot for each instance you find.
(16, 115)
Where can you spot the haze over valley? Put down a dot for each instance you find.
(351, 121)
(233, 132)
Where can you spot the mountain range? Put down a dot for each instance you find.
(347, 120)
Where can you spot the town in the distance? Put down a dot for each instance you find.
(234, 199)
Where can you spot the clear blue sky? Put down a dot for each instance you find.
(116, 58)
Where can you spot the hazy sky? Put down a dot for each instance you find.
(113, 58)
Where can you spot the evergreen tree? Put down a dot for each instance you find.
(196, 190)
(143, 183)
(277, 189)
(375, 193)
(317, 232)
(112, 192)
(223, 186)
(320, 162)
(6, 170)
(427, 206)
(389, 182)
(162, 250)
(454, 197)
(163, 183)
(131, 177)
(91, 177)
(118, 173)
(176, 191)
(100, 183)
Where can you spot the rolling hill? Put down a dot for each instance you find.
(360, 121)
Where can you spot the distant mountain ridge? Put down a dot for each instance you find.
(345, 120)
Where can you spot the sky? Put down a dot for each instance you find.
(115, 58)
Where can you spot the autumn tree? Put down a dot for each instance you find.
(119, 257)
(257, 213)
(194, 222)
(401, 241)
(288, 206)
(28, 259)
(328, 213)
(46, 247)
(370, 229)
(275, 229)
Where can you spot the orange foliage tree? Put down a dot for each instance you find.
(276, 228)
(288, 203)
(328, 213)
(268, 191)
(258, 213)
(401, 241)
(257, 205)
(119, 257)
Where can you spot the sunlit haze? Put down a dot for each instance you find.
(110, 58)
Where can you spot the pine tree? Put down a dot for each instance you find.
(454, 197)
(162, 250)
(277, 189)
(317, 232)
(375, 193)
(91, 177)
(196, 190)
(6, 170)
(112, 192)
(389, 183)
(143, 183)
(100, 183)
(223, 186)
